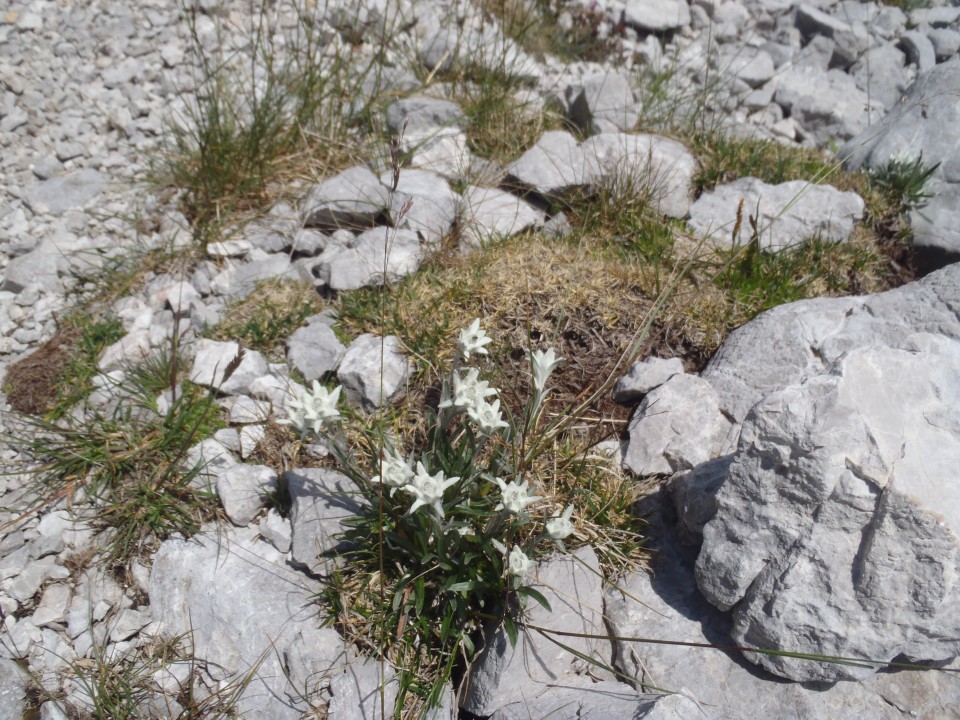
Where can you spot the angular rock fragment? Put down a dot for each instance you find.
(352, 199)
(788, 214)
(377, 256)
(374, 371)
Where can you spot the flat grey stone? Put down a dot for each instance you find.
(580, 698)
(37, 267)
(374, 371)
(377, 256)
(656, 15)
(242, 607)
(314, 350)
(752, 66)
(243, 490)
(677, 425)
(352, 199)
(603, 101)
(811, 21)
(552, 166)
(489, 214)
(842, 488)
(788, 214)
(419, 115)
(212, 360)
(503, 674)
(358, 691)
(276, 530)
(66, 192)
(13, 689)
(927, 122)
(320, 501)
(648, 164)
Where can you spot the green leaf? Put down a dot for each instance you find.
(510, 627)
(462, 586)
(468, 645)
(418, 595)
(536, 595)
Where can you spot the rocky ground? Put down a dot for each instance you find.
(808, 500)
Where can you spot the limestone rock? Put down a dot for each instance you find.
(792, 342)
(502, 674)
(212, 360)
(552, 166)
(314, 350)
(320, 501)
(422, 202)
(352, 199)
(242, 608)
(643, 164)
(677, 425)
(927, 122)
(489, 214)
(836, 529)
(377, 256)
(644, 376)
(373, 371)
(788, 214)
(604, 103)
(656, 15)
(242, 490)
(66, 192)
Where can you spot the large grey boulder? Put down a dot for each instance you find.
(927, 121)
(505, 674)
(667, 606)
(582, 699)
(241, 607)
(13, 688)
(378, 256)
(374, 371)
(792, 342)
(881, 73)
(243, 489)
(652, 165)
(837, 527)
(431, 134)
(788, 214)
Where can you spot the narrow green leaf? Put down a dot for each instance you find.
(510, 627)
(536, 595)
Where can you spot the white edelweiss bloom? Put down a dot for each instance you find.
(518, 564)
(559, 527)
(513, 497)
(394, 470)
(314, 410)
(468, 391)
(428, 489)
(487, 416)
(472, 340)
(544, 363)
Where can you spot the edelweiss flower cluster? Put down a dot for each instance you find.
(314, 411)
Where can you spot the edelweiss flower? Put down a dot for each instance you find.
(314, 410)
(394, 470)
(469, 391)
(428, 489)
(518, 564)
(514, 498)
(559, 527)
(473, 339)
(544, 363)
(487, 416)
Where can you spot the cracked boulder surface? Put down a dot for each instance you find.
(836, 531)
